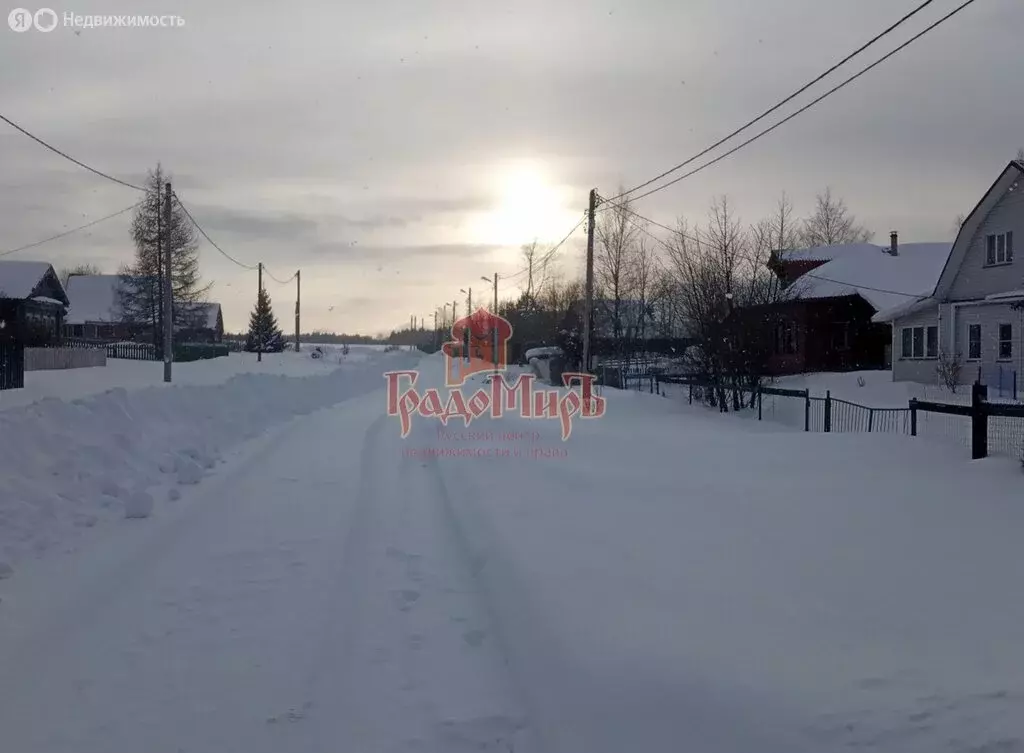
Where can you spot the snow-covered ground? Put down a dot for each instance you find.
(132, 375)
(667, 579)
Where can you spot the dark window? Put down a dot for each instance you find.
(918, 342)
(932, 342)
(999, 248)
(908, 338)
(974, 342)
(1005, 341)
(785, 338)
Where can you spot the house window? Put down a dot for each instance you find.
(974, 342)
(1005, 342)
(999, 248)
(920, 342)
(785, 338)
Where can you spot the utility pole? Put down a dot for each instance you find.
(588, 312)
(298, 300)
(455, 311)
(168, 288)
(435, 328)
(259, 296)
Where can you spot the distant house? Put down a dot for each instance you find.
(32, 303)
(973, 310)
(204, 323)
(825, 323)
(95, 312)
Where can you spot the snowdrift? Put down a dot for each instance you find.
(69, 465)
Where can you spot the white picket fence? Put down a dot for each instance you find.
(45, 359)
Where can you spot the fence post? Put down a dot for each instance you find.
(979, 422)
(871, 418)
(691, 393)
(760, 395)
(913, 417)
(1015, 384)
(828, 410)
(807, 410)
(652, 384)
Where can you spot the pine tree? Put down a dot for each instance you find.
(263, 327)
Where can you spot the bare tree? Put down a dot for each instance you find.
(536, 268)
(67, 273)
(832, 224)
(949, 369)
(959, 223)
(720, 280)
(617, 233)
(642, 263)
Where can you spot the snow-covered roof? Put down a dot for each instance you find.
(821, 253)
(18, 279)
(1007, 295)
(906, 308)
(205, 313)
(93, 298)
(46, 299)
(870, 271)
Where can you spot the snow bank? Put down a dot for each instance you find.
(133, 375)
(74, 463)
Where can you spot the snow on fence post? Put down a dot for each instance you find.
(979, 422)
(828, 410)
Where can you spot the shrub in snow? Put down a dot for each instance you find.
(189, 472)
(860, 381)
(173, 494)
(6, 571)
(138, 505)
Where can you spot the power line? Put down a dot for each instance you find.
(785, 101)
(279, 282)
(202, 232)
(55, 150)
(808, 106)
(69, 232)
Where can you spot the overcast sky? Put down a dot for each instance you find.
(397, 150)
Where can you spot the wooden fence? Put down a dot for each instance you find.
(44, 359)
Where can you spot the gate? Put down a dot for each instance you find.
(12, 366)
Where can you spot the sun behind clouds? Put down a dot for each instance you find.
(527, 205)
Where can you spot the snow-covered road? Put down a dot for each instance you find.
(336, 588)
(311, 599)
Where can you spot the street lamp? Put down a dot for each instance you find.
(494, 312)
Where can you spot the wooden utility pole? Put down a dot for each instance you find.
(588, 306)
(168, 288)
(259, 296)
(298, 300)
(495, 313)
(455, 311)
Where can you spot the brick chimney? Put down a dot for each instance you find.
(894, 244)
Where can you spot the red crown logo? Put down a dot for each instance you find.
(479, 343)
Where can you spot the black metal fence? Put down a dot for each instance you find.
(985, 427)
(12, 366)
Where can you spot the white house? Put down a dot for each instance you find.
(972, 312)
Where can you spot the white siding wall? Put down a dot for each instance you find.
(909, 369)
(989, 317)
(976, 280)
